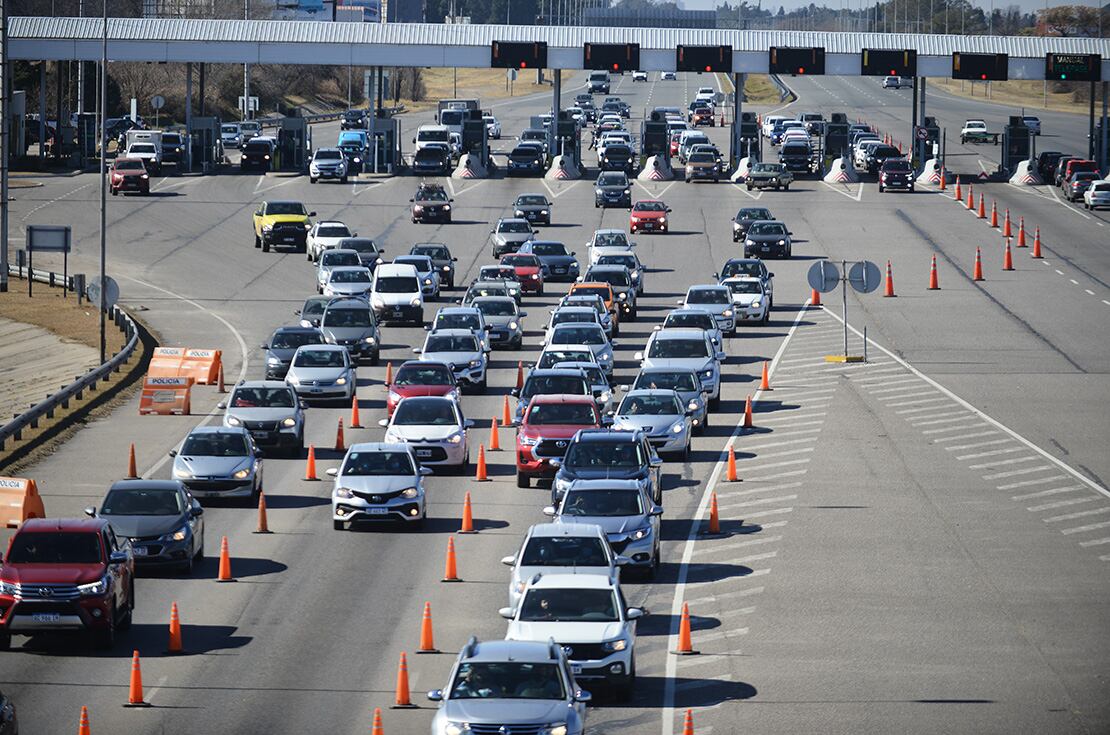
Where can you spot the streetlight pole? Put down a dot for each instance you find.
(5, 113)
(103, 183)
(246, 70)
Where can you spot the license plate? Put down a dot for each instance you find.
(766, 248)
(139, 550)
(378, 511)
(397, 313)
(427, 453)
(576, 668)
(316, 389)
(263, 436)
(46, 617)
(288, 238)
(648, 225)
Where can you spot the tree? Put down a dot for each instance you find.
(1069, 20)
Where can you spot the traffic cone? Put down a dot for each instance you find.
(263, 526)
(401, 699)
(714, 514)
(220, 388)
(355, 424)
(978, 275)
(427, 642)
(225, 563)
(506, 415)
(748, 413)
(450, 567)
(1006, 226)
(519, 375)
(889, 292)
(959, 194)
(1037, 243)
(944, 180)
(731, 476)
(815, 299)
(688, 723)
(339, 444)
(310, 465)
(83, 724)
(494, 440)
(685, 645)
(175, 631)
(934, 283)
(1021, 232)
(389, 374)
(377, 728)
(982, 210)
(994, 213)
(132, 470)
(765, 382)
(970, 196)
(481, 475)
(468, 516)
(135, 690)
(1007, 257)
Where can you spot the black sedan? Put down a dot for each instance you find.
(163, 522)
(744, 219)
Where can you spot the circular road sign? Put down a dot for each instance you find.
(922, 133)
(157, 102)
(823, 276)
(864, 276)
(111, 291)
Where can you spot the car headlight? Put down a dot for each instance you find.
(456, 728)
(145, 176)
(415, 302)
(233, 421)
(562, 484)
(559, 729)
(394, 397)
(662, 220)
(518, 213)
(627, 191)
(427, 281)
(182, 474)
(267, 228)
(678, 427)
(447, 208)
(749, 242)
(605, 396)
(622, 296)
(446, 269)
(242, 474)
(370, 340)
(693, 405)
(409, 492)
(98, 587)
(513, 326)
(574, 264)
(640, 533)
(273, 361)
(357, 159)
(341, 381)
(613, 646)
(289, 423)
(756, 304)
(726, 313)
(598, 191)
(529, 441)
(307, 226)
(475, 363)
(782, 242)
(535, 276)
(417, 208)
(455, 438)
(707, 374)
(178, 535)
(543, 212)
(344, 492)
(377, 302)
(604, 356)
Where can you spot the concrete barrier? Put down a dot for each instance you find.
(470, 167)
(842, 172)
(562, 168)
(656, 168)
(931, 173)
(1025, 175)
(741, 172)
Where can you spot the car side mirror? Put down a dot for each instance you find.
(303, 404)
(412, 200)
(196, 511)
(264, 346)
(655, 461)
(634, 613)
(221, 404)
(311, 214)
(436, 695)
(549, 511)
(296, 312)
(416, 350)
(515, 392)
(468, 424)
(555, 462)
(172, 452)
(721, 356)
(506, 612)
(716, 277)
(657, 510)
(523, 314)
(383, 423)
(770, 275)
(90, 511)
(679, 302)
(425, 471)
(332, 472)
(508, 560)
(581, 695)
(117, 557)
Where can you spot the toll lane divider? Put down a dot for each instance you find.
(200, 364)
(19, 501)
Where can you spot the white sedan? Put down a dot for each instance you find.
(639, 76)
(493, 126)
(1097, 195)
(325, 235)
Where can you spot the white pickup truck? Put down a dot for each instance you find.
(975, 131)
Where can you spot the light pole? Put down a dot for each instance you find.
(103, 182)
(246, 70)
(4, 147)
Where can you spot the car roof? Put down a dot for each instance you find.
(460, 309)
(65, 525)
(659, 392)
(379, 446)
(550, 530)
(423, 364)
(562, 398)
(608, 435)
(322, 348)
(672, 333)
(492, 299)
(704, 287)
(296, 330)
(346, 302)
(512, 219)
(450, 333)
(219, 430)
(516, 651)
(743, 279)
(572, 581)
(605, 483)
(263, 384)
(549, 372)
(145, 484)
(576, 309)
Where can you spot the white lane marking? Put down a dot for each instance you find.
(975, 445)
(1084, 529)
(1074, 282)
(726, 595)
(1003, 462)
(157, 685)
(1030, 483)
(1095, 542)
(964, 436)
(1089, 292)
(1062, 503)
(771, 445)
(556, 194)
(59, 198)
(736, 544)
(992, 453)
(765, 513)
(905, 411)
(287, 182)
(1078, 514)
(667, 714)
(961, 427)
(734, 494)
(1015, 473)
(744, 190)
(762, 501)
(1046, 493)
(915, 401)
(899, 382)
(1052, 191)
(858, 196)
(939, 421)
(655, 194)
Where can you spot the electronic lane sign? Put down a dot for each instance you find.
(789, 60)
(981, 67)
(611, 56)
(877, 62)
(703, 58)
(1073, 67)
(517, 55)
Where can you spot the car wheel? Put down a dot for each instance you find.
(105, 638)
(522, 480)
(125, 619)
(115, 192)
(910, 189)
(627, 687)
(715, 403)
(484, 385)
(880, 188)
(338, 525)
(786, 187)
(265, 246)
(257, 241)
(307, 254)
(344, 179)
(749, 187)
(311, 180)
(5, 641)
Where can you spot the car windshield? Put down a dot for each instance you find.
(753, 214)
(333, 231)
(613, 277)
(531, 200)
(424, 375)
(707, 296)
(55, 548)
(215, 444)
(898, 165)
(329, 155)
(435, 252)
(795, 149)
(527, 261)
(312, 307)
(431, 195)
(602, 291)
(431, 412)
(421, 263)
(129, 166)
(262, 398)
(546, 385)
(458, 321)
(650, 206)
(348, 318)
(498, 307)
(767, 228)
(745, 286)
(612, 179)
(569, 606)
(143, 501)
(489, 289)
(507, 680)
(229, 128)
(359, 245)
(690, 321)
(549, 248)
(573, 334)
(492, 273)
(359, 275)
(293, 340)
(742, 268)
(578, 414)
(766, 167)
(397, 284)
(564, 551)
(678, 348)
(378, 463)
(515, 226)
(628, 261)
(142, 148)
(319, 358)
(565, 316)
(451, 343)
(681, 381)
(603, 502)
(332, 258)
(551, 358)
(257, 146)
(701, 158)
(610, 240)
(286, 208)
(649, 406)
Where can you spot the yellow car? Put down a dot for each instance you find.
(281, 223)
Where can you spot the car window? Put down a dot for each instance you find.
(607, 179)
(348, 318)
(569, 606)
(745, 286)
(424, 375)
(293, 340)
(451, 343)
(527, 261)
(513, 226)
(262, 398)
(742, 268)
(436, 252)
(416, 412)
(55, 548)
(458, 321)
(431, 195)
(613, 277)
(690, 320)
(378, 463)
(597, 502)
(649, 406)
(767, 228)
(678, 348)
(319, 358)
(564, 551)
(566, 316)
(707, 296)
(396, 284)
(551, 358)
(323, 155)
(605, 454)
(546, 385)
(578, 414)
(129, 166)
(360, 275)
(285, 207)
(314, 306)
(143, 502)
(507, 680)
(682, 381)
(496, 307)
(333, 258)
(549, 248)
(215, 444)
(574, 334)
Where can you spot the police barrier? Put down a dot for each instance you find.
(19, 500)
(166, 396)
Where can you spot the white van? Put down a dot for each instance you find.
(426, 134)
(395, 294)
(452, 120)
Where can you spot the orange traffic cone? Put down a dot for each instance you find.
(310, 466)
(982, 210)
(519, 375)
(688, 723)
(450, 567)
(377, 728)
(427, 642)
(970, 196)
(132, 470)
(731, 475)
(959, 194)
(944, 180)
(1021, 232)
(135, 690)
(481, 475)
(468, 516)
(815, 299)
(714, 514)
(1006, 227)
(355, 424)
(994, 213)
(83, 724)
(1037, 243)
(934, 283)
(765, 382)
(978, 275)
(748, 413)
(389, 374)
(1007, 257)
(889, 292)
(494, 440)
(401, 699)
(220, 388)
(225, 563)
(340, 446)
(685, 645)
(263, 526)
(506, 416)
(175, 631)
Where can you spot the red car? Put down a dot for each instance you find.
(416, 378)
(529, 271)
(702, 116)
(649, 215)
(66, 575)
(549, 423)
(129, 174)
(674, 142)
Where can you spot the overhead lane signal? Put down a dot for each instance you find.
(795, 61)
(980, 67)
(616, 57)
(888, 62)
(518, 55)
(704, 58)
(1073, 67)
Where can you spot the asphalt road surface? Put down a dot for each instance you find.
(919, 544)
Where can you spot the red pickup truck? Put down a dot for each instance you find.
(66, 575)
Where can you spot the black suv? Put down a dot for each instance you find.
(353, 120)
(618, 157)
(599, 454)
(442, 259)
(1046, 163)
(895, 173)
(878, 155)
(797, 157)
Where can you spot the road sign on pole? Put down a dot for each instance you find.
(823, 276)
(111, 291)
(864, 276)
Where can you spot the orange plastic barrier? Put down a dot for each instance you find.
(166, 362)
(203, 366)
(166, 396)
(19, 500)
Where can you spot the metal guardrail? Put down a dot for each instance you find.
(784, 91)
(30, 418)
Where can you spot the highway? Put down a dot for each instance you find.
(918, 544)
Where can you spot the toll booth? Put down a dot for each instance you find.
(836, 135)
(475, 135)
(1016, 143)
(749, 136)
(1098, 144)
(87, 135)
(568, 142)
(926, 140)
(204, 143)
(385, 144)
(294, 144)
(653, 135)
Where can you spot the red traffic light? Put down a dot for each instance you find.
(801, 70)
(707, 68)
(616, 67)
(983, 76)
(892, 73)
(523, 64)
